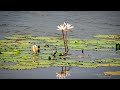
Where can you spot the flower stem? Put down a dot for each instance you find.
(64, 41)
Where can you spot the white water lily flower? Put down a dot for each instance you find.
(61, 27)
(69, 26)
(65, 27)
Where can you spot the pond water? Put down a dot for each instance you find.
(50, 73)
(44, 23)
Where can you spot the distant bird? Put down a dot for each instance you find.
(49, 58)
(36, 49)
(82, 51)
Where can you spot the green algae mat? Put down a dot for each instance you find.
(17, 51)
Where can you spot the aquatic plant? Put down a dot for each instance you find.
(18, 37)
(112, 73)
(29, 64)
(65, 28)
(21, 54)
(108, 36)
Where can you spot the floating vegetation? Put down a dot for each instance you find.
(66, 27)
(108, 65)
(29, 64)
(84, 56)
(18, 37)
(112, 73)
(18, 49)
(108, 36)
(15, 52)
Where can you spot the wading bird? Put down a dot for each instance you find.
(36, 49)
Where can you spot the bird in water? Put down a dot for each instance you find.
(82, 51)
(36, 49)
(49, 58)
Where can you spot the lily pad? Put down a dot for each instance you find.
(18, 49)
(112, 73)
(108, 36)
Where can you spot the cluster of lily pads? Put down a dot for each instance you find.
(108, 36)
(17, 49)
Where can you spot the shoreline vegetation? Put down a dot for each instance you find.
(17, 49)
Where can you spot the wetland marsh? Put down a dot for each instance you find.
(95, 32)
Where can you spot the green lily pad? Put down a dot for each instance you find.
(112, 73)
(18, 49)
(108, 36)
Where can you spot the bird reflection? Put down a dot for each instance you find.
(64, 73)
(35, 58)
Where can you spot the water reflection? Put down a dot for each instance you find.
(35, 58)
(65, 72)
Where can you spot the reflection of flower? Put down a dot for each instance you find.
(35, 58)
(63, 74)
(65, 27)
